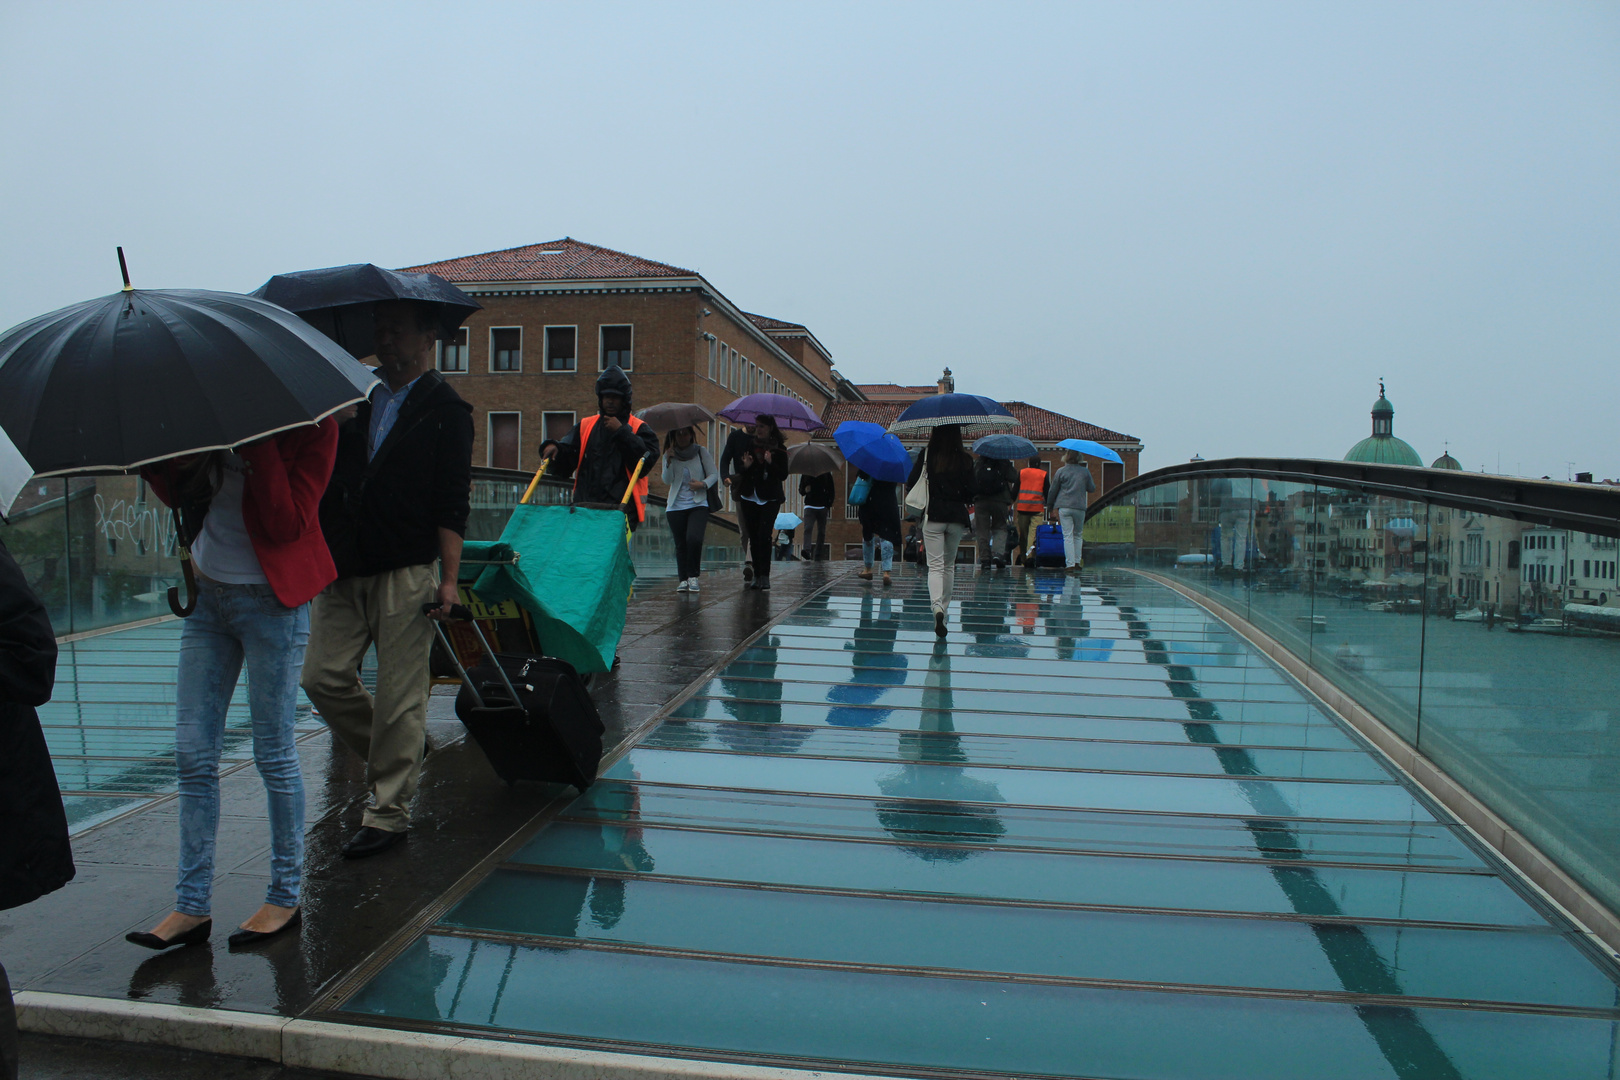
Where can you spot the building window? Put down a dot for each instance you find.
(505, 439)
(562, 352)
(453, 352)
(554, 425)
(615, 348)
(506, 348)
(731, 372)
(714, 360)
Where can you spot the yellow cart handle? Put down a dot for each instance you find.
(538, 473)
(628, 490)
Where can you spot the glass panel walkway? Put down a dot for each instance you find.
(1093, 833)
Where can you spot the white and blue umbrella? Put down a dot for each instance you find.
(786, 520)
(965, 410)
(1090, 449)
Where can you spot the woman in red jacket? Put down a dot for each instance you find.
(260, 559)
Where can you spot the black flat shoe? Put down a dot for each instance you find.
(195, 936)
(368, 841)
(939, 623)
(244, 938)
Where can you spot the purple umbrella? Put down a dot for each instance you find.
(790, 413)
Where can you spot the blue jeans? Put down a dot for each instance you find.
(870, 547)
(234, 623)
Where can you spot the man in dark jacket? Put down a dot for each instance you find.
(994, 483)
(34, 854)
(818, 500)
(397, 503)
(602, 451)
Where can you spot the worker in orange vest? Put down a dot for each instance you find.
(1031, 506)
(601, 452)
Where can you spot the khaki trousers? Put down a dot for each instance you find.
(1028, 521)
(387, 730)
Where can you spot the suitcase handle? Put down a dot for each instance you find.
(461, 612)
(458, 612)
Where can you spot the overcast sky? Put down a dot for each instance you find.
(1212, 226)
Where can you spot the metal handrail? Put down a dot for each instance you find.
(1592, 508)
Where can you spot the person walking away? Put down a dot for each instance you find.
(260, 559)
(691, 476)
(761, 469)
(879, 516)
(602, 451)
(949, 469)
(35, 857)
(398, 502)
(1066, 499)
(739, 442)
(1030, 506)
(993, 495)
(818, 500)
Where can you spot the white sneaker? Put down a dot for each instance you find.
(683, 586)
(691, 584)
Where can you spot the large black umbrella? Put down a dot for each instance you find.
(144, 375)
(338, 300)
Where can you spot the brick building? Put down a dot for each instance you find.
(883, 404)
(557, 314)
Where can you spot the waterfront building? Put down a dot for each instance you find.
(1592, 570)
(1542, 572)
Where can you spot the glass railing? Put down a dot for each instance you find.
(100, 551)
(1485, 631)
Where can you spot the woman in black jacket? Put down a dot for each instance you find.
(34, 854)
(949, 469)
(818, 500)
(761, 469)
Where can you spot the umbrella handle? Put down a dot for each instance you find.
(538, 473)
(190, 575)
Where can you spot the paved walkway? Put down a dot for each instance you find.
(114, 698)
(1092, 833)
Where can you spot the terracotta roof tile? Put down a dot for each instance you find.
(1040, 425)
(765, 322)
(561, 260)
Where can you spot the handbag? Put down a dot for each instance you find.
(860, 492)
(917, 497)
(714, 497)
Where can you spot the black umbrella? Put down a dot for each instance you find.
(144, 375)
(338, 300)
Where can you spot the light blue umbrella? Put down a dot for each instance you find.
(1005, 447)
(785, 520)
(1091, 449)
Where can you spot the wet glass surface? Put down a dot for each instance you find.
(861, 846)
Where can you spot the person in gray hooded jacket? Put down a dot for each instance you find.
(1066, 499)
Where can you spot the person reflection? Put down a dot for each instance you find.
(874, 668)
(1066, 619)
(934, 808)
(607, 836)
(757, 702)
(989, 620)
(184, 977)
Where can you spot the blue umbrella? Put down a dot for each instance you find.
(968, 410)
(1086, 446)
(873, 451)
(1005, 447)
(785, 520)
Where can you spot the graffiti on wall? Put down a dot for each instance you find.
(147, 526)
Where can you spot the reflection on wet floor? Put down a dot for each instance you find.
(1091, 833)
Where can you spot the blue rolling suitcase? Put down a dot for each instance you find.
(1049, 545)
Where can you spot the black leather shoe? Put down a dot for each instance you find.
(762, 584)
(195, 936)
(243, 938)
(370, 841)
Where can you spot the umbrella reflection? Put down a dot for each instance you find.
(932, 801)
(989, 620)
(874, 667)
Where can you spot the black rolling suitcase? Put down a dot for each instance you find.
(530, 715)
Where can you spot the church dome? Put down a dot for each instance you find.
(1382, 447)
(1446, 461)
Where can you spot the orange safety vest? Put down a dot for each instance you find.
(1031, 493)
(638, 494)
